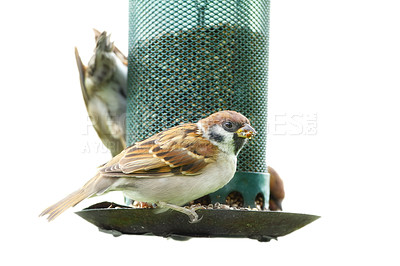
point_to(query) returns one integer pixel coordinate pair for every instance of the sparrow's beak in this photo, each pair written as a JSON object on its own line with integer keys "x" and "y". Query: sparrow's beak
{"x": 246, "y": 131}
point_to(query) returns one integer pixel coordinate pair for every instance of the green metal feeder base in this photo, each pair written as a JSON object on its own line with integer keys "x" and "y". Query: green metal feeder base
{"x": 261, "y": 225}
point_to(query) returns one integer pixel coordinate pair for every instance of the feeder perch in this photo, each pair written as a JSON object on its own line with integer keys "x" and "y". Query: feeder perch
{"x": 187, "y": 60}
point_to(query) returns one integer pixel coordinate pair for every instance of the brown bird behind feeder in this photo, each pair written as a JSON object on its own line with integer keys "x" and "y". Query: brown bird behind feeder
{"x": 277, "y": 191}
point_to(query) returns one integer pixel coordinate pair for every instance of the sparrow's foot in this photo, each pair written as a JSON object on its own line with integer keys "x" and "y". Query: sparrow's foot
{"x": 191, "y": 212}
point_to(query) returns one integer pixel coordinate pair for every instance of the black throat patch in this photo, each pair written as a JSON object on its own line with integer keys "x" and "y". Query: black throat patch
{"x": 239, "y": 143}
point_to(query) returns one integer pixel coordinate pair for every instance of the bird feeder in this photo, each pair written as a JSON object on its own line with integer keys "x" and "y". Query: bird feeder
{"x": 189, "y": 59}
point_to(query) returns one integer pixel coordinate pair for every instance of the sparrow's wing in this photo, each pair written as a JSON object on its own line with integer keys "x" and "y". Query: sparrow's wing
{"x": 82, "y": 70}
{"x": 178, "y": 151}
{"x": 120, "y": 55}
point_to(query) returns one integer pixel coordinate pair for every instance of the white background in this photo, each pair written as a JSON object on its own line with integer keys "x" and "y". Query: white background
{"x": 336, "y": 63}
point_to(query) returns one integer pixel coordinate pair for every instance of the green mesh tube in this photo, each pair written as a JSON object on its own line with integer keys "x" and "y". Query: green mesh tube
{"x": 189, "y": 59}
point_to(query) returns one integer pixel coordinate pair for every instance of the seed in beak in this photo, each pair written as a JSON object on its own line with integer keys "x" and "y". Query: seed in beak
{"x": 246, "y": 132}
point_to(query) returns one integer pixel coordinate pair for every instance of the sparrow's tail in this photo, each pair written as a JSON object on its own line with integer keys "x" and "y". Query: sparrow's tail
{"x": 96, "y": 185}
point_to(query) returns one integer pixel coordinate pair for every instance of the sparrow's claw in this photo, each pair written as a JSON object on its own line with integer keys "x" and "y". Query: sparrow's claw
{"x": 194, "y": 209}
{"x": 196, "y": 220}
{"x": 191, "y": 212}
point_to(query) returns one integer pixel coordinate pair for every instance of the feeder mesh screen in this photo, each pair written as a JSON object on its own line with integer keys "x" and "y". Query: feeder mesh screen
{"x": 189, "y": 59}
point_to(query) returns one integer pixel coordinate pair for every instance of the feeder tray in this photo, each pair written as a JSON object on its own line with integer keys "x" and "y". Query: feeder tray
{"x": 261, "y": 225}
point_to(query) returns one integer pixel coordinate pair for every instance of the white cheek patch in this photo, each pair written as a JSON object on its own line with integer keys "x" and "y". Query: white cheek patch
{"x": 221, "y": 138}
{"x": 218, "y": 130}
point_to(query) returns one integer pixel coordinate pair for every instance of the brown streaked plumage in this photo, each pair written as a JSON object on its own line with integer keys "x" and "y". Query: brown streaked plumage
{"x": 277, "y": 190}
{"x": 171, "y": 152}
{"x": 172, "y": 167}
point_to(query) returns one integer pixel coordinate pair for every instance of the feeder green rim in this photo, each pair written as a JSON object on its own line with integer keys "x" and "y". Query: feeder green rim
{"x": 248, "y": 184}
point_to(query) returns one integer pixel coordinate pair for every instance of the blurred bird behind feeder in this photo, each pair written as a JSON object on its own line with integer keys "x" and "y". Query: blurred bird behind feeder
{"x": 104, "y": 89}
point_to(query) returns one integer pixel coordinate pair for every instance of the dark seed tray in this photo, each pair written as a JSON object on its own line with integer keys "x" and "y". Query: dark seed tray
{"x": 261, "y": 225}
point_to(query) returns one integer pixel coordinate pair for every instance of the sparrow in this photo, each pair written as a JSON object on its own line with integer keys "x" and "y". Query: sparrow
{"x": 277, "y": 191}
{"x": 104, "y": 89}
{"x": 172, "y": 167}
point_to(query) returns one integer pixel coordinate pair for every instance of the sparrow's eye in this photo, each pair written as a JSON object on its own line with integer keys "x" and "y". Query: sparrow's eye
{"x": 228, "y": 125}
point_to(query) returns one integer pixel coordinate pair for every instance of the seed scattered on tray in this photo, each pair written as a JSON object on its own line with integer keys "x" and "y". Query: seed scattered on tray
{"x": 198, "y": 206}
{"x": 235, "y": 199}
